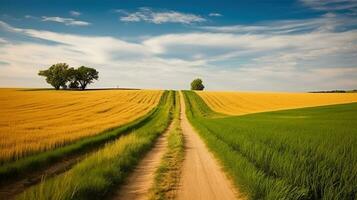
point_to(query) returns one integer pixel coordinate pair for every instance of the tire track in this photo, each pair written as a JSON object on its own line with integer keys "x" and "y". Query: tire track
{"x": 139, "y": 182}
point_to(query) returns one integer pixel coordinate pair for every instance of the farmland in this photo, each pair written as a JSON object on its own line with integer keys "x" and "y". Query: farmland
{"x": 240, "y": 103}
{"x": 106, "y": 169}
{"x": 307, "y": 153}
{"x": 267, "y": 149}
{"x": 178, "y": 100}
{"x": 57, "y": 118}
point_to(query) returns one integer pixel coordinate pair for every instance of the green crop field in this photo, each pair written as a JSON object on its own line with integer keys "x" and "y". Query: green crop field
{"x": 308, "y": 153}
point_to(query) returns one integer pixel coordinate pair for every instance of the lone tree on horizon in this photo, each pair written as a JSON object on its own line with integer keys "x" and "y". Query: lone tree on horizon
{"x": 58, "y": 75}
{"x": 197, "y": 84}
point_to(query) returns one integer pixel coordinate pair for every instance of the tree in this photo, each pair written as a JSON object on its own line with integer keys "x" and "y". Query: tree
{"x": 72, "y": 78}
{"x": 197, "y": 84}
{"x": 86, "y": 75}
{"x": 56, "y": 75}
{"x": 73, "y": 85}
{"x": 60, "y": 74}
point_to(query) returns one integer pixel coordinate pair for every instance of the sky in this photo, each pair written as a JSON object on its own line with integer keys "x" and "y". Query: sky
{"x": 265, "y": 45}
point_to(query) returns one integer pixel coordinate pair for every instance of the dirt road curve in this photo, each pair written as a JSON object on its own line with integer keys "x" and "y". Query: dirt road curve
{"x": 141, "y": 179}
{"x": 202, "y": 178}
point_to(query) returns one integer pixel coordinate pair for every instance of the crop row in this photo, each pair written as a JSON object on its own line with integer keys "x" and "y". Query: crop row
{"x": 241, "y": 103}
{"x": 58, "y": 118}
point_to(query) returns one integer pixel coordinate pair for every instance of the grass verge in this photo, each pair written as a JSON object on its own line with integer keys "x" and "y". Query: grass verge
{"x": 308, "y": 153}
{"x": 167, "y": 176}
{"x": 95, "y": 176}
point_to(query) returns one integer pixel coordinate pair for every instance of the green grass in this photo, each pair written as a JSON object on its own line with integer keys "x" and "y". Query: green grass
{"x": 41, "y": 160}
{"x": 308, "y": 153}
{"x": 167, "y": 176}
{"x": 106, "y": 169}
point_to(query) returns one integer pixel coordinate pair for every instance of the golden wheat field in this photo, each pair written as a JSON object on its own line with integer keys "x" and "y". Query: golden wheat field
{"x": 240, "y": 103}
{"x": 58, "y": 117}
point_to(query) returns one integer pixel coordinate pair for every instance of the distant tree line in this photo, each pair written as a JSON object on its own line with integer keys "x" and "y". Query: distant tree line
{"x": 335, "y": 91}
{"x": 60, "y": 75}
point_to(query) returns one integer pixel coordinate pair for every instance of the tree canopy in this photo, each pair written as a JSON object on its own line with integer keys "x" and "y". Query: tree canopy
{"x": 197, "y": 84}
{"x": 56, "y": 75}
{"x": 61, "y": 75}
{"x": 86, "y": 75}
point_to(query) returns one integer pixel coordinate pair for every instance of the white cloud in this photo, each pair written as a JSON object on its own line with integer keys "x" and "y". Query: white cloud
{"x": 215, "y": 15}
{"x": 331, "y": 5}
{"x": 272, "y": 50}
{"x": 119, "y": 62}
{"x": 2, "y": 40}
{"x": 272, "y": 55}
{"x": 131, "y": 18}
{"x": 7, "y": 27}
{"x": 327, "y": 22}
{"x": 317, "y": 59}
{"x": 74, "y": 13}
{"x": 30, "y": 17}
{"x": 66, "y": 21}
{"x": 148, "y": 15}
{"x": 161, "y": 44}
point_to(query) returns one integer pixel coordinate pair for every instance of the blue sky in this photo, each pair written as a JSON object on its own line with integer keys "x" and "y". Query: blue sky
{"x": 296, "y": 45}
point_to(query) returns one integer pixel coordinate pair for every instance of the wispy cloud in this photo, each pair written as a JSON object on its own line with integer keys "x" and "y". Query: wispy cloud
{"x": 329, "y": 21}
{"x": 215, "y": 15}
{"x": 292, "y": 48}
{"x": 2, "y": 40}
{"x": 30, "y": 17}
{"x": 135, "y": 62}
{"x": 331, "y": 5}
{"x": 74, "y": 13}
{"x": 66, "y": 21}
{"x": 263, "y": 58}
{"x": 159, "y": 17}
{"x": 283, "y": 51}
{"x": 6, "y": 27}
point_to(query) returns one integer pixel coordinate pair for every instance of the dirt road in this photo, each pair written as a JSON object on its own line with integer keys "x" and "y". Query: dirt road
{"x": 141, "y": 179}
{"x": 202, "y": 178}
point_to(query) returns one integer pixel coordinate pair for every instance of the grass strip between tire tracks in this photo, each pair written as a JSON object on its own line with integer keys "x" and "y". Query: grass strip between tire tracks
{"x": 167, "y": 176}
